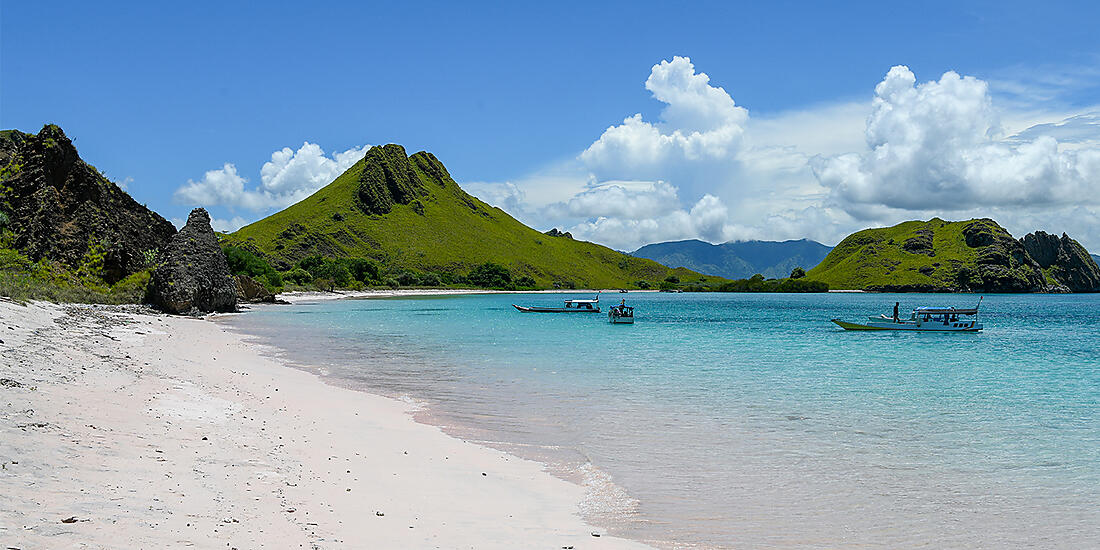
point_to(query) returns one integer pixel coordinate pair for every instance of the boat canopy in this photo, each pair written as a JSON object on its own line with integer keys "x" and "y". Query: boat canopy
{"x": 596, "y": 301}
{"x": 946, "y": 311}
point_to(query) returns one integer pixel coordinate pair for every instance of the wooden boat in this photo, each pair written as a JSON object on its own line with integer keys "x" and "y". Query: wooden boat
{"x": 621, "y": 314}
{"x": 571, "y": 306}
{"x": 924, "y": 319}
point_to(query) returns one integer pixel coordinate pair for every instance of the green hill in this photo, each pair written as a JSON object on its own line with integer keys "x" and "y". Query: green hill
{"x": 407, "y": 213}
{"x": 940, "y": 256}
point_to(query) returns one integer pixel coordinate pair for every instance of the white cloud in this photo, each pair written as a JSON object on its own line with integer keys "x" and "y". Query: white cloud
{"x": 938, "y": 146}
{"x": 287, "y": 178}
{"x": 700, "y": 127}
{"x": 228, "y": 226}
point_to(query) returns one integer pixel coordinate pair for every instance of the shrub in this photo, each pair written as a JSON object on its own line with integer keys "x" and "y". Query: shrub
{"x": 244, "y": 262}
{"x": 431, "y": 279}
{"x": 644, "y": 285}
{"x": 526, "y": 282}
{"x": 672, "y": 279}
{"x": 391, "y": 282}
{"x": 798, "y": 273}
{"x": 490, "y": 275}
{"x": 298, "y": 276}
{"x": 362, "y": 269}
{"x": 408, "y": 279}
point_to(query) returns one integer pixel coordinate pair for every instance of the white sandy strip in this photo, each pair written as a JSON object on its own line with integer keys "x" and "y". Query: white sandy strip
{"x": 163, "y": 432}
{"x": 313, "y": 296}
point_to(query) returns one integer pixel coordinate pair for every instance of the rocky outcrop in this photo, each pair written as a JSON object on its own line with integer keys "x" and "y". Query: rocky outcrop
{"x": 61, "y": 207}
{"x": 1003, "y": 265}
{"x": 1064, "y": 259}
{"x": 193, "y": 276}
{"x": 251, "y": 290}
{"x": 921, "y": 243}
{"x": 388, "y": 178}
{"x": 554, "y": 232}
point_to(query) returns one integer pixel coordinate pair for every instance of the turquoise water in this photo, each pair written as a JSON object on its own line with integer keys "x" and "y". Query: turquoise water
{"x": 749, "y": 420}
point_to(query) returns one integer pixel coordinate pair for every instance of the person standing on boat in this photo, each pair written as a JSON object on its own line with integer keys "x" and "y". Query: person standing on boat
{"x": 896, "y": 304}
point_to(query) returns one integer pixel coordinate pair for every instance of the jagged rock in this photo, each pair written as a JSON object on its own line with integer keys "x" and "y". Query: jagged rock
{"x": 1003, "y": 264}
{"x": 1065, "y": 260}
{"x": 554, "y": 232}
{"x": 193, "y": 275}
{"x": 388, "y": 178}
{"x": 59, "y": 206}
{"x": 251, "y": 290}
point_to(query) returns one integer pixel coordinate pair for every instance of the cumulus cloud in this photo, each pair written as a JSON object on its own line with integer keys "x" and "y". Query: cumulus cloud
{"x": 700, "y": 126}
{"x": 708, "y": 218}
{"x": 939, "y": 146}
{"x": 287, "y": 178}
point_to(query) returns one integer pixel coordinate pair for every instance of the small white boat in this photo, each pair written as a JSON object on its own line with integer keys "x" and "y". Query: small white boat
{"x": 925, "y": 319}
{"x": 571, "y": 306}
{"x": 621, "y": 313}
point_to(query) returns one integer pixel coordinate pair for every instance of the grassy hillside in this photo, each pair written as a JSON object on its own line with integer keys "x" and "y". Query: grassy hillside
{"x": 932, "y": 255}
{"x": 408, "y": 214}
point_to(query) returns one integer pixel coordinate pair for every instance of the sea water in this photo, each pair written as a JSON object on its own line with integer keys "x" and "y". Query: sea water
{"x": 749, "y": 420}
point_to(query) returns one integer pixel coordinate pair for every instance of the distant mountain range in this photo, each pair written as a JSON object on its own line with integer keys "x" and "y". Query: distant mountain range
{"x": 1095, "y": 258}
{"x": 737, "y": 259}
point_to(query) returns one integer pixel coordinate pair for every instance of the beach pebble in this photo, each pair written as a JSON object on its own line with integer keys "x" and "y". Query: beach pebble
{"x": 71, "y": 519}
{"x": 595, "y": 534}
{"x": 204, "y": 438}
{"x": 484, "y": 474}
{"x": 379, "y": 514}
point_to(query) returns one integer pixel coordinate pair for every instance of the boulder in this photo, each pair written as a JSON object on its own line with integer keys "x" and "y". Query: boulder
{"x": 193, "y": 276}
{"x": 251, "y": 290}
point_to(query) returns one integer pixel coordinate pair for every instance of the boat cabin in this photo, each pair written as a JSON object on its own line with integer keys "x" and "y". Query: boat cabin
{"x": 581, "y": 304}
{"x": 947, "y": 317}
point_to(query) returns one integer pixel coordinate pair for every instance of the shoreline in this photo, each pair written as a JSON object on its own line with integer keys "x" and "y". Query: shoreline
{"x": 156, "y": 431}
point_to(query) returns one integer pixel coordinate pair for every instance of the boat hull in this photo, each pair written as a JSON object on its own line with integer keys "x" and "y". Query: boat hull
{"x": 536, "y": 309}
{"x": 621, "y": 320}
{"x": 963, "y": 326}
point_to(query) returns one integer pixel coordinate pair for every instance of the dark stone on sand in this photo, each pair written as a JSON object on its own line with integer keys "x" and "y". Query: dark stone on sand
{"x": 194, "y": 275}
{"x": 251, "y": 290}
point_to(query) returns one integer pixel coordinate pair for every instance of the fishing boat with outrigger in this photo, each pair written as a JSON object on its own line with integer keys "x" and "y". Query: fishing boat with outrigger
{"x": 621, "y": 314}
{"x": 924, "y": 319}
{"x": 571, "y": 306}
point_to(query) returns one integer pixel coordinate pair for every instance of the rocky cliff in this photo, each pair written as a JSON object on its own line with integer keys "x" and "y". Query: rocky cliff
{"x": 1065, "y": 260}
{"x": 59, "y": 206}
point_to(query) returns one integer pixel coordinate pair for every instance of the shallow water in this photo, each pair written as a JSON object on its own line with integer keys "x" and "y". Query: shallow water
{"x": 749, "y": 420}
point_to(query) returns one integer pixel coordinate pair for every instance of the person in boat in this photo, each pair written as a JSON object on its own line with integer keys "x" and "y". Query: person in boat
{"x": 896, "y": 304}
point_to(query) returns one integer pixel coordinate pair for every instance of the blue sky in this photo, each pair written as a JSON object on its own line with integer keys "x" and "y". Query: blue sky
{"x": 520, "y": 100}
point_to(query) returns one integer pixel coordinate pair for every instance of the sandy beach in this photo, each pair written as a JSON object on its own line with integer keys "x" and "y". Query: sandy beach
{"x": 121, "y": 428}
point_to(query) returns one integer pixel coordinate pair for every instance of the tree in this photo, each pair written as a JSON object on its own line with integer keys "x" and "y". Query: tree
{"x": 672, "y": 279}
{"x": 490, "y": 275}
{"x": 798, "y": 273}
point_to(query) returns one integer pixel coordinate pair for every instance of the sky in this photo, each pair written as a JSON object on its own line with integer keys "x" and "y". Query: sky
{"x": 624, "y": 123}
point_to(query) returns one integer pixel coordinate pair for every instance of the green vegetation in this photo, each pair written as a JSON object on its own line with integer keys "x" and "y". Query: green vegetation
{"x": 24, "y": 280}
{"x": 757, "y": 283}
{"x": 929, "y": 254}
{"x": 243, "y": 262}
{"x": 408, "y": 215}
